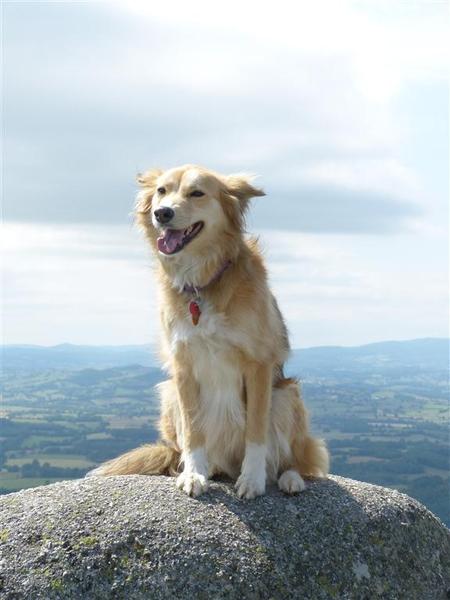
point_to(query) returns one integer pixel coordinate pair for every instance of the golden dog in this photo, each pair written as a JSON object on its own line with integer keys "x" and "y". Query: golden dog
{"x": 227, "y": 408}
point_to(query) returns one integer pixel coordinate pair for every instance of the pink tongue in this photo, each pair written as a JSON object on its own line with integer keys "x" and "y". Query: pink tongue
{"x": 170, "y": 241}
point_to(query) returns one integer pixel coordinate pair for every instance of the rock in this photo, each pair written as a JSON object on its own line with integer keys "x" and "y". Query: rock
{"x": 139, "y": 537}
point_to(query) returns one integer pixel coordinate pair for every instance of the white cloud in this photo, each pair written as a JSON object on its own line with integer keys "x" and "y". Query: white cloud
{"x": 77, "y": 284}
{"x": 96, "y": 286}
{"x": 299, "y": 86}
{"x": 334, "y": 288}
{"x": 385, "y": 175}
{"x": 388, "y": 42}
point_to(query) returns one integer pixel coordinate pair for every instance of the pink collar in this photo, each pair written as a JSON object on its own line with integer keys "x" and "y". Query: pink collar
{"x": 191, "y": 289}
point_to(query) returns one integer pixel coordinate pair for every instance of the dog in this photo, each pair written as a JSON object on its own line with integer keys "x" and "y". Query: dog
{"x": 227, "y": 408}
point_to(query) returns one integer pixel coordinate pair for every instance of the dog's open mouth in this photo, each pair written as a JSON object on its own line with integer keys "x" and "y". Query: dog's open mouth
{"x": 174, "y": 240}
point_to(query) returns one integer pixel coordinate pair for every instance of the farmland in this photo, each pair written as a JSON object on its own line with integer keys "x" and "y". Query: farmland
{"x": 383, "y": 414}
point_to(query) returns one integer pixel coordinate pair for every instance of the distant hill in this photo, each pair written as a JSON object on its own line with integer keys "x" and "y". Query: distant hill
{"x": 431, "y": 354}
{"x": 73, "y": 357}
{"x": 427, "y": 353}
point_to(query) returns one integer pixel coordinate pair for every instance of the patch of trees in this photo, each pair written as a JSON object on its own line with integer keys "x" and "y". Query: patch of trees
{"x": 36, "y": 469}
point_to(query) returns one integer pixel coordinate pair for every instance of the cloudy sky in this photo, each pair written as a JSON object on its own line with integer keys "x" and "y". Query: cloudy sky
{"x": 339, "y": 107}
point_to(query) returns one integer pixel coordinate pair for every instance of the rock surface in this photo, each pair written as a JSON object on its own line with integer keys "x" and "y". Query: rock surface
{"x": 139, "y": 537}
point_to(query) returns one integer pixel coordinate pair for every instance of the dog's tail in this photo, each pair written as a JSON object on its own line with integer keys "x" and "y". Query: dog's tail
{"x": 151, "y": 459}
{"x": 311, "y": 456}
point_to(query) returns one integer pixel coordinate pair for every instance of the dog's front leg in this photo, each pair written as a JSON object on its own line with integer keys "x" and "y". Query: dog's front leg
{"x": 258, "y": 385}
{"x": 194, "y": 478}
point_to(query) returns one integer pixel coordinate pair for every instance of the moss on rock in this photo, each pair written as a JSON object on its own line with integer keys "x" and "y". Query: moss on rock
{"x": 139, "y": 537}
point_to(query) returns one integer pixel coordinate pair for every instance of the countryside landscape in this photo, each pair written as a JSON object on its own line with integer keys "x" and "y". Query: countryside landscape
{"x": 383, "y": 409}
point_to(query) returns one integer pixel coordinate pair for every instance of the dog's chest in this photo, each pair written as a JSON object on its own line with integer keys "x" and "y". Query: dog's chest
{"x": 212, "y": 335}
{"x": 212, "y": 347}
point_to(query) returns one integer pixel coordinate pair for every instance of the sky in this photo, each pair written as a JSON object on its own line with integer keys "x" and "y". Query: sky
{"x": 339, "y": 108}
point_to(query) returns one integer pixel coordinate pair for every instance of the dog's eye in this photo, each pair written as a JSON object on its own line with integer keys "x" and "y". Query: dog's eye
{"x": 196, "y": 194}
{"x": 161, "y": 190}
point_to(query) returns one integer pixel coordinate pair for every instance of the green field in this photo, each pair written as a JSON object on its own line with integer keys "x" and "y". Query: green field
{"x": 56, "y": 460}
{"x": 13, "y": 484}
{"x": 383, "y": 424}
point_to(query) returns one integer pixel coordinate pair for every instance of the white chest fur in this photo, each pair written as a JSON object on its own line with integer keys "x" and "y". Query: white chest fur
{"x": 213, "y": 349}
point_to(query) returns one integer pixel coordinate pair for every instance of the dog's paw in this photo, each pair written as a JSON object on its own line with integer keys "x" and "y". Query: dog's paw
{"x": 193, "y": 484}
{"x": 249, "y": 486}
{"x": 97, "y": 472}
{"x": 291, "y": 482}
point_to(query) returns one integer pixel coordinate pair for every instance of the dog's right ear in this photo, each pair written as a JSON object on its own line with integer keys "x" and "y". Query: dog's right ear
{"x": 147, "y": 181}
{"x": 240, "y": 186}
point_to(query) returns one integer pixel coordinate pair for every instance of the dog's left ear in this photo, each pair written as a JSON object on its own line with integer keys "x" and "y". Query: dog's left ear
{"x": 147, "y": 181}
{"x": 240, "y": 186}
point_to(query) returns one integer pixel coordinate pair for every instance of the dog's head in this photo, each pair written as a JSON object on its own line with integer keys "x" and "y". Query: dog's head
{"x": 188, "y": 209}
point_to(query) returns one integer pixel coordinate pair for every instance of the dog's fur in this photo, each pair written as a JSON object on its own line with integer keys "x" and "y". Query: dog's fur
{"x": 227, "y": 408}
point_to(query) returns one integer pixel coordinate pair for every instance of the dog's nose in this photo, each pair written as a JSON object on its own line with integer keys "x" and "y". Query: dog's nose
{"x": 164, "y": 214}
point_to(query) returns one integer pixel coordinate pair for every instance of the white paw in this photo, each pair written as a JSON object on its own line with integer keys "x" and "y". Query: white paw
{"x": 193, "y": 484}
{"x": 98, "y": 472}
{"x": 291, "y": 482}
{"x": 249, "y": 486}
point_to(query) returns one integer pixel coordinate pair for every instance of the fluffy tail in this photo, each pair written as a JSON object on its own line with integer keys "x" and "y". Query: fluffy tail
{"x": 311, "y": 457}
{"x": 151, "y": 459}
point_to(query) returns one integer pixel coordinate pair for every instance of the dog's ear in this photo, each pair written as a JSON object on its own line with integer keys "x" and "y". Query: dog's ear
{"x": 147, "y": 181}
{"x": 240, "y": 186}
{"x": 236, "y": 193}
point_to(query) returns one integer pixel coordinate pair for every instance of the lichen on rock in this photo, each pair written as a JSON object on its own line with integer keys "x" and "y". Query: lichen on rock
{"x": 139, "y": 537}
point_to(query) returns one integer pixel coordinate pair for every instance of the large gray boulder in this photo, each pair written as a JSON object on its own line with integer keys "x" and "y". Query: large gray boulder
{"x": 139, "y": 537}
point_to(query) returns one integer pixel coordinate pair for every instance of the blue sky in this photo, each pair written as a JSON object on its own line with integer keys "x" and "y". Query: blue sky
{"x": 340, "y": 108}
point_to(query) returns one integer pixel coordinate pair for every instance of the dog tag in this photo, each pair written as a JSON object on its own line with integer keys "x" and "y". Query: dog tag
{"x": 194, "y": 309}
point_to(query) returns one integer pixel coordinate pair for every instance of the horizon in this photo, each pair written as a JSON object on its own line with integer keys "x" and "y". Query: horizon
{"x": 149, "y": 345}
